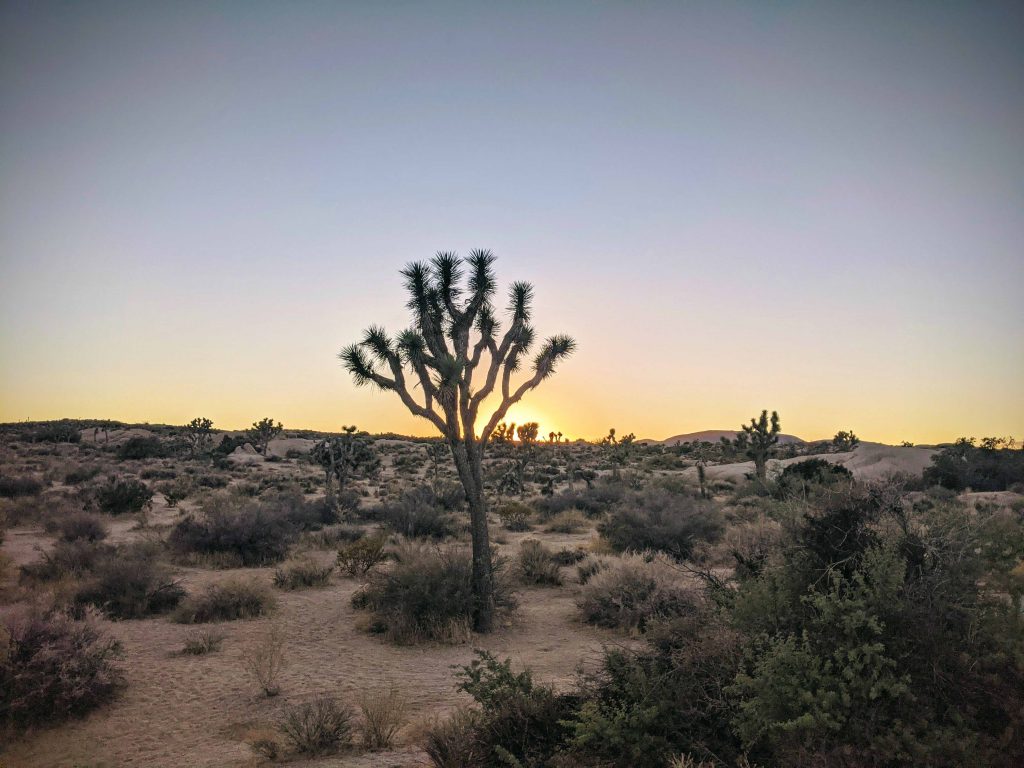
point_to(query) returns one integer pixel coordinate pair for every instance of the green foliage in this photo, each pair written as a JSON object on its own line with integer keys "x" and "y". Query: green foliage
{"x": 520, "y": 723}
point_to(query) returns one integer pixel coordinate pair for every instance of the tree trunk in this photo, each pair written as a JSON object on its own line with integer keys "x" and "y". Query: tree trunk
{"x": 468, "y": 462}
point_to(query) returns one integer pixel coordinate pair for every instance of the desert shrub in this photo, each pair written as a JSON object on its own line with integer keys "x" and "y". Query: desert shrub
{"x": 53, "y": 668}
{"x": 357, "y": 558}
{"x": 452, "y": 742}
{"x": 633, "y": 592}
{"x": 15, "y": 487}
{"x": 67, "y": 559}
{"x": 81, "y": 526}
{"x": 589, "y": 568}
{"x": 418, "y": 514}
{"x": 566, "y": 556}
{"x": 519, "y": 722}
{"x": 515, "y": 516}
{"x": 266, "y": 661}
{"x": 644, "y": 705}
{"x": 123, "y": 496}
{"x": 799, "y": 478}
{"x": 302, "y": 574}
{"x": 318, "y": 727}
{"x": 537, "y": 564}
{"x": 200, "y": 643}
{"x": 246, "y": 532}
{"x": 331, "y": 536}
{"x": 593, "y": 502}
{"x": 227, "y": 601}
{"x": 426, "y": 595}
{"x": 384, "y": 712}
{"x": 24, "y": 510}
{"x": 139, "y": 447}
{"x": 129, "y": 584}
{"x": 657, "y": 520}
{"x": 56, "y": 432}
{"x": 302, "y": 515}
{"x": 992, "y": 466}
{"x": 569, "y": 521}
{"x": 81, "y": 474}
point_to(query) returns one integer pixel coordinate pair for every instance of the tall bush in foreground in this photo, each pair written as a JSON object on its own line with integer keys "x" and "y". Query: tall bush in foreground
{"x": 53, "y": 668}
{"x": 454, "y": 331}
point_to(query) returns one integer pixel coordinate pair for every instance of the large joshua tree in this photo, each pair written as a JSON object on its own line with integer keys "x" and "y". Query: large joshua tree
{"x": 455, "y": 355}
{"x": 757, "y": 440}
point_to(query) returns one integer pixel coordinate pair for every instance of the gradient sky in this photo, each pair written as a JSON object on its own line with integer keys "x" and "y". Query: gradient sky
{"x": 813, "y": 207}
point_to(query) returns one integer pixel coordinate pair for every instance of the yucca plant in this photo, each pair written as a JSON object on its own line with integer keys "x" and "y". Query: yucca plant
{"x": 455, "y": 355}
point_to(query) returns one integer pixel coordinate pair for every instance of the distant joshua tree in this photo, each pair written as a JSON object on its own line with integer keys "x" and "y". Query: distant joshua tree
{"x": 262, "y": 432}
{"x": 343, "y": 457}
{"x": 442, "y": 359}
{"x": 198, "y": 435}
{"x": 757, "y": 439}
{"x": 845, "y": 441}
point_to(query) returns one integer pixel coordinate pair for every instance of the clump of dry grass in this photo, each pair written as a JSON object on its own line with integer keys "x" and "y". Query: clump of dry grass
{"x": 302, "y": 574}
{"x": 266, "y": 661}
{"x": 633, "y": 591}
{"x": 537, "y": 564}
{"x": 384, "y": 712}
{"x": 227, "y": 601}
{"x": 200, "y": 643}
{"x": 452, "y": 743}
{"x": 569, "y": 521}
{"x": 358, "y": 557}
{"x": 318, "y": 727}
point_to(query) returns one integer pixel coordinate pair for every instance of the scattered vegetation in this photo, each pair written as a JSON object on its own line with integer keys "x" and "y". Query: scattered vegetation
{"x": 318, "y": 727}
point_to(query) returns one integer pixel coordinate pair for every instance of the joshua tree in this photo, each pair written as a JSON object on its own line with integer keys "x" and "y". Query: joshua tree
{"x": 343, "y": 456}
{"x": 756, "y": 441}
{"x": 197, "y": 435}
{"x": 845, "y": 441}
{"x": 453, "y": 326}
{"x": 262, "y": 432}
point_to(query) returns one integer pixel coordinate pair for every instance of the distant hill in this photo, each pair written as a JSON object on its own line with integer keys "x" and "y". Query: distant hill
{"x": 714, "y": 435}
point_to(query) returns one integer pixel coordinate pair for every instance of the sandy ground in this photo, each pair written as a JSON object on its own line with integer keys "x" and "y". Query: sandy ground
{"x": 868, "y": 461}
{"x": 200, "y": 711}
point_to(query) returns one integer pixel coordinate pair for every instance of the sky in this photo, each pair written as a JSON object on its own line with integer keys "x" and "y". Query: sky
{"x": 816, "y": 208}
